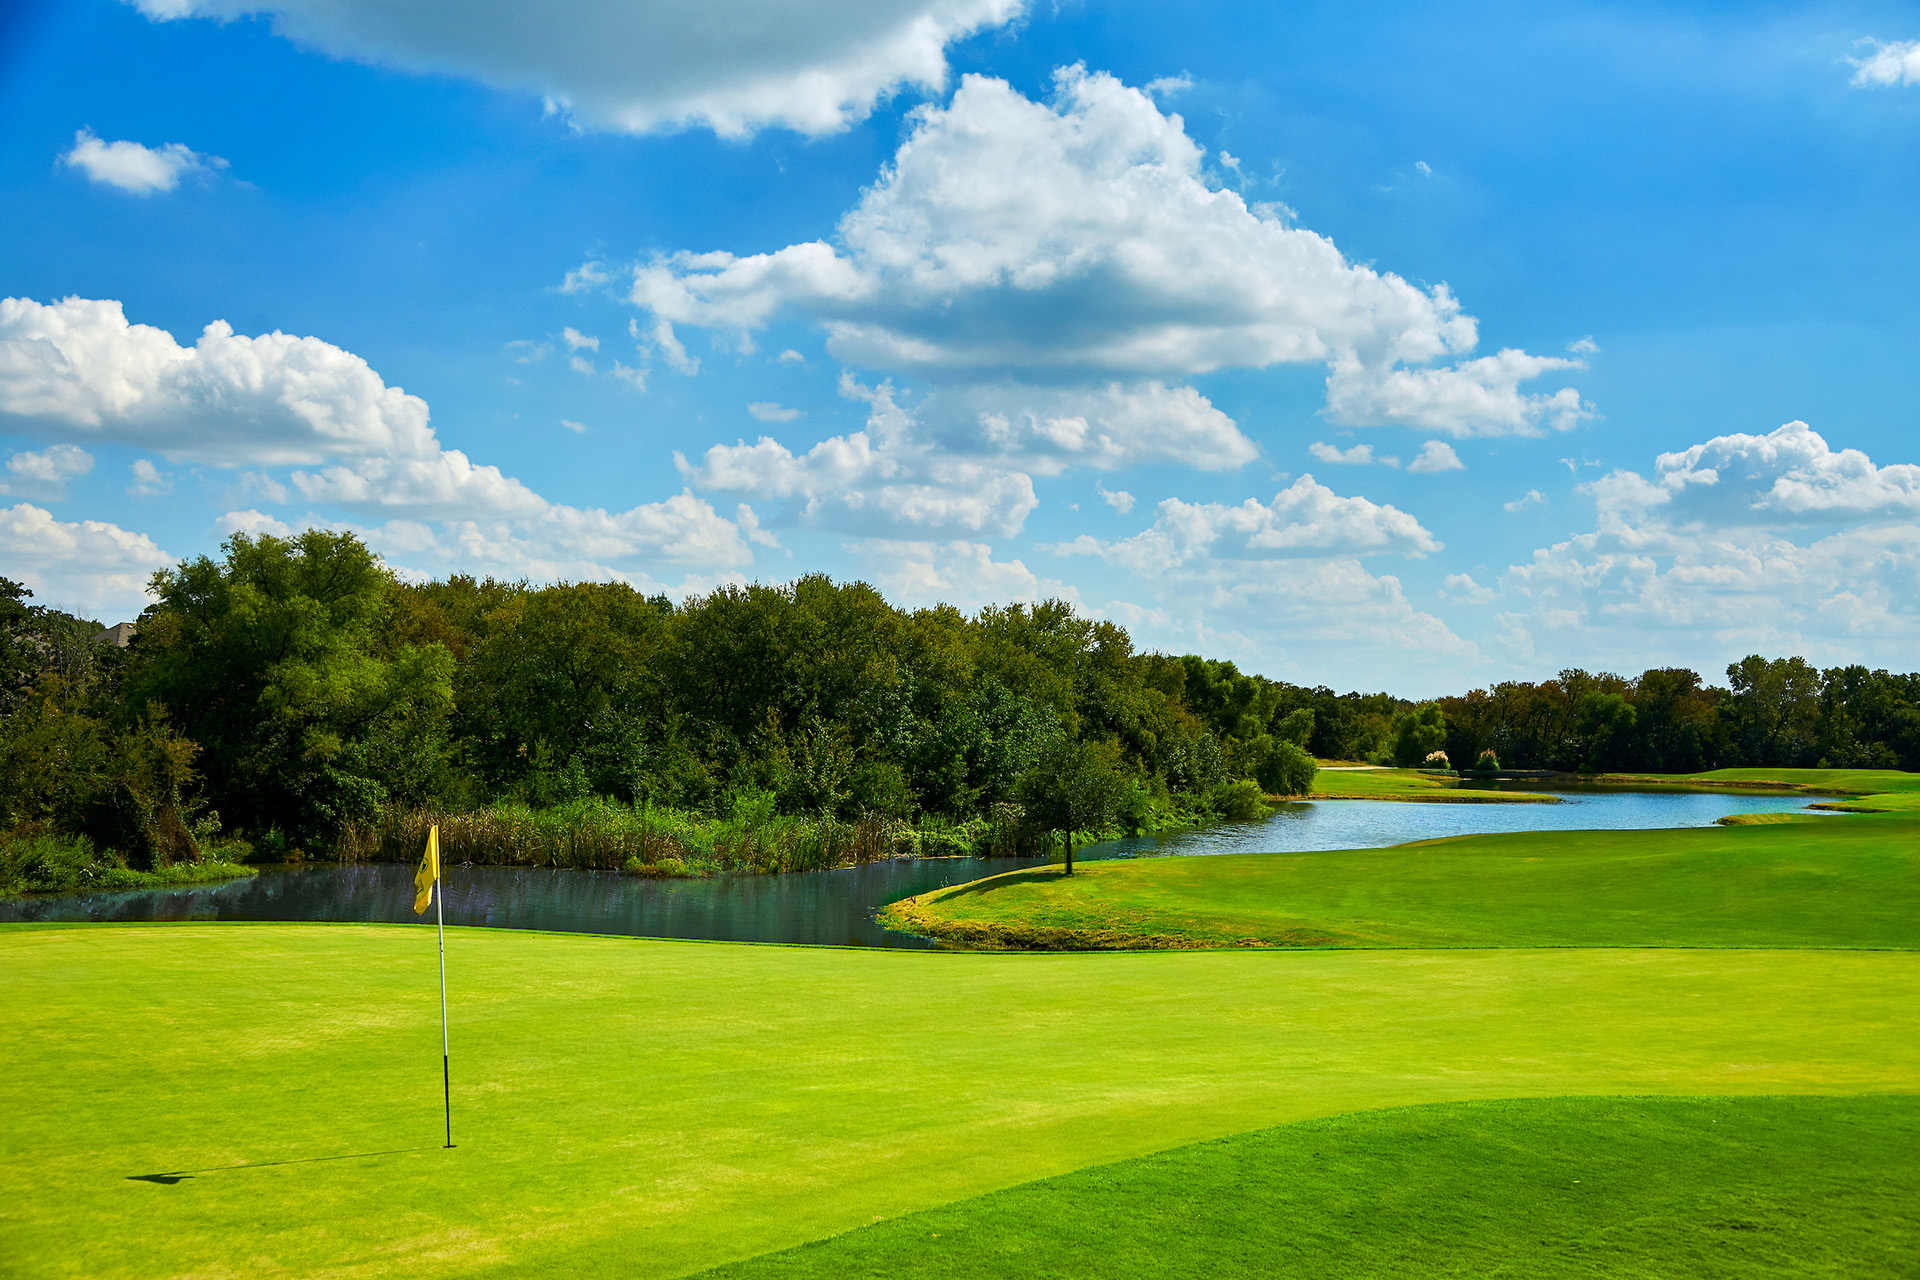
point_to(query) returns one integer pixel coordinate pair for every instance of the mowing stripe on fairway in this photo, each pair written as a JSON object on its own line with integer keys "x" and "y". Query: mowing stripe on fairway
{"x": 1707, "y": 1188}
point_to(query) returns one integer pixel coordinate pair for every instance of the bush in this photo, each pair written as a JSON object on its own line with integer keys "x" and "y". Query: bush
{"x": 1287, "y": 770}
{"x": 1240, "y": 800}
{"x": 1487, "y": 764}
{"x": 1436, "y": 760}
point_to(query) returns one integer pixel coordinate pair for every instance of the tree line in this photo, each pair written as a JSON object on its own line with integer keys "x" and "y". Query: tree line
{"x": 292, "y": 696}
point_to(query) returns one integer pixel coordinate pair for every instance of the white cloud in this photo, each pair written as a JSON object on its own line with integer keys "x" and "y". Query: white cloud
{"x": 86, "y": 566}
{"x": 1120, "y": 500}
{"x": 1168, "y": 86}
{"x": 578, "y": 428}
{"x": 957, "y": 264}
{"x": 767, "y": 411}
{"x": 1436, "y": 455}
{"x": 1423, "y": 168}
{"x": 1462, "y": 589}
{"x": 134, "y": 168}
{"x": 77, "y": 368}
{"x": 960, "y": 573}
{"x": 1771, "y": 544}
{"x": 884, "y": 478}
{"x": 147, "y": 480}
{"x": 1531, "y": 498}
{"x": 1305, "y": 520}
{"x": 1896, "y": 63}
{"x": 254, "y": 524}
{"x": 734, "y": 66}
{"x": 578, "y": 341}
{"x": 790, "y": 356}
{"x": 1473, "y": 397}
{"x": 1360, "y": 455}
{"x": 44, "y": 475}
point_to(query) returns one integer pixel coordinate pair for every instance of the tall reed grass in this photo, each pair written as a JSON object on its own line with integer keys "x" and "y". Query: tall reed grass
{"x": 607, "y": 835}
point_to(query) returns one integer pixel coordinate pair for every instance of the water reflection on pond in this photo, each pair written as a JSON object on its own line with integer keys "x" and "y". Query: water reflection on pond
{"x": 831, "y": 907}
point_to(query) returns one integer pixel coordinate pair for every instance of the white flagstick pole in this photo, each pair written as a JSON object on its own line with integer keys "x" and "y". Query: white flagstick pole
{"x": 446, "y": 1069}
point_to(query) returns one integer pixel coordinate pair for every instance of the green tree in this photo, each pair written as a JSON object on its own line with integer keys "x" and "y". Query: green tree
{"x": 1418, "y": 733}
{"x": 272, "y": 660}
{"x": 1072, "y": 786}
{"x": 1605, "y": 726}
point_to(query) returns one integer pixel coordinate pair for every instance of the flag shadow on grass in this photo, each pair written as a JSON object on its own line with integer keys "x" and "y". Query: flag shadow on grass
{"x": 181, "y": 1175}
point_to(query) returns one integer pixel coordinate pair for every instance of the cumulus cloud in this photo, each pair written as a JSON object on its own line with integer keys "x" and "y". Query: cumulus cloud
{"x": 1436, "y": 455}
{"x": 78, "y": 368}
{"x": 147, "y": 479}
{"x": 45, "y": 475}
{"x": 767, "y": 411}
{"x": 1120, "y": 500}
{"x": 960, "y": 264}
{"x": 960, "y": 573}
{"x": 88, "y": 566}
{"x": 134, "y": 168}
{"x": 1304, "y": 520}
{"x": 734, "y": 66}
{"x": 1896, "y": 63}
{"x": 886, "y": 477}
{"x": 1360, "y": 455}
{"x": 1771, "y": 543}
{"x": 1462, "y": 589}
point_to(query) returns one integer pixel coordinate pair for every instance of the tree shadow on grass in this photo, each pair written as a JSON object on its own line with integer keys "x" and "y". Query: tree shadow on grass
{"x": 181, "y": 1175}
{"x": 1004, "y": 881}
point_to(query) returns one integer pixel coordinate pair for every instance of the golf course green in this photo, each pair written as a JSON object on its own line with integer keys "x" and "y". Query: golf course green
{"x": 194, "y": 1100}
{"x": 1706, "y": 1188}
{"x": 1662, "y": 1053}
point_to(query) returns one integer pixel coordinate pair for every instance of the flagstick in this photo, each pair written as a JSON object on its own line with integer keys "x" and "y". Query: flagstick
{"x": 446, "y": 1069}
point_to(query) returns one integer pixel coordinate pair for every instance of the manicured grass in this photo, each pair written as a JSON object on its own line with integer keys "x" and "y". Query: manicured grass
{"x": 638, "y": 1108}
{"x": 1855, "y": 781}
{"x": 1829, "y": 882}
{"x": 1410, "y": 784}
{"x": 1565, "y": 1187}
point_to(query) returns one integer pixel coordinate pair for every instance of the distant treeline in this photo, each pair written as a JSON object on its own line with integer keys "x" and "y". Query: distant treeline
{"x": 294, "y": 696}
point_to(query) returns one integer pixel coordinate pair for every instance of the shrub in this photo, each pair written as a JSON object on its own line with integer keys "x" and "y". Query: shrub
{"x": 1241, "y": 800}
{"x": 1286, "y": 770}
{"x": 1436, "y": 760}
{"x": 1487, "y": 764}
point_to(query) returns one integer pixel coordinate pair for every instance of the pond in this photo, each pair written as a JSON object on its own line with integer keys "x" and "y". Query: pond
{"x": 834, "y": 907}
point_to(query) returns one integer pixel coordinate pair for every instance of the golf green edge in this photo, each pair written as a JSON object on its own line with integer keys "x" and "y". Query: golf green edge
{"x": 1707, "y": 1188}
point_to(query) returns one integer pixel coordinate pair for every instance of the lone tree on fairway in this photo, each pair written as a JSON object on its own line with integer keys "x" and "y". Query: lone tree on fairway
{"x": 1071, "y": 786}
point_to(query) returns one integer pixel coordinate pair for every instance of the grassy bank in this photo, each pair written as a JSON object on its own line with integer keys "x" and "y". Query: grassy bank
{"x": 1826, "y": 882}
{"x": 48, "y": 863}
{"x": 1708, "y": 1188}
{"x": 1410, "y": 784}
{"x": 200, "y": 1099}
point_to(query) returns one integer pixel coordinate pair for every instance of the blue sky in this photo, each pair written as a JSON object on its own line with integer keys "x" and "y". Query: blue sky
{"x": 1383, "y": 348}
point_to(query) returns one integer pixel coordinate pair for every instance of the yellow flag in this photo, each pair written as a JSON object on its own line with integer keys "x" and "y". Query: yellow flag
{"x": 429, "y": 871}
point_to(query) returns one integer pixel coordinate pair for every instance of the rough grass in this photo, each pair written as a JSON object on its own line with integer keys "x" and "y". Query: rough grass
{"x": 214, "y": 1100}
{"x": 1826, "y": 882}
{"x": 1706, "y": 1188}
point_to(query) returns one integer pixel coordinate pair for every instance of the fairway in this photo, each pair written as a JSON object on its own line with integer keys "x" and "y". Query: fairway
{"x": 212, "y": 1100}
{"x": 1851, "y": 881}
{"x": 1707, "y": 1188}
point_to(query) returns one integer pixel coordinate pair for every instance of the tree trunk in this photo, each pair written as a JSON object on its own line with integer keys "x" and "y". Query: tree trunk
{"x": 1069, "y": 839}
